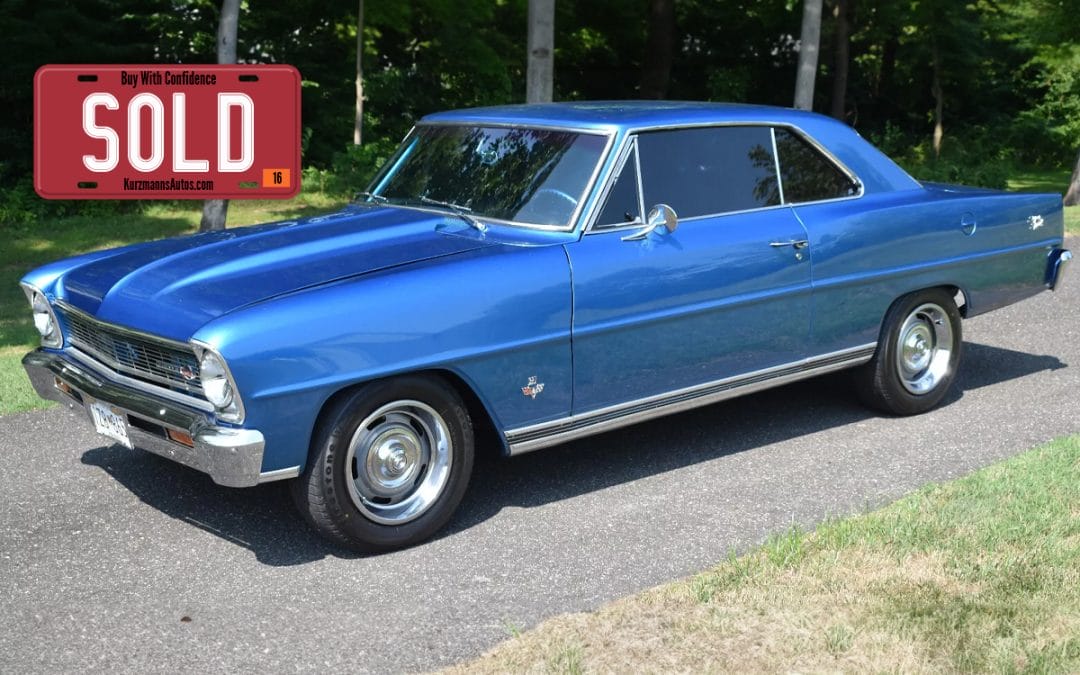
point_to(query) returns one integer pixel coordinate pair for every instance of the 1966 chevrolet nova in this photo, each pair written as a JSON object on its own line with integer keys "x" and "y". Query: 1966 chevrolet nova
{"x": 526, "y": 275}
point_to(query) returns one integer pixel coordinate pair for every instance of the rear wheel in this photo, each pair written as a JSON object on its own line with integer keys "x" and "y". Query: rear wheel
{"x": 917, "y": 355}
{"x": 389, "y": 465}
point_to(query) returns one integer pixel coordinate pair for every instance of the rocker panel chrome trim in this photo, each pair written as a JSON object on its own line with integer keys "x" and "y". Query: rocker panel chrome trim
{"x": 545, "y": 434}
{"x": 279, "y": 474}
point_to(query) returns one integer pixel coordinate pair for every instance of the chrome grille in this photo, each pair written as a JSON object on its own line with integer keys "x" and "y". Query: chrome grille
{"x": 133, "y": 355}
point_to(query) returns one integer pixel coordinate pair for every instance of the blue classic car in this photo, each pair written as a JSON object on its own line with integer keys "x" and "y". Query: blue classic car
{"x": 526, "y": 275}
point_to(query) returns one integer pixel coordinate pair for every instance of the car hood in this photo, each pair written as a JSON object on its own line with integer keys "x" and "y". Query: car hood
{"x": 173, "y": 287}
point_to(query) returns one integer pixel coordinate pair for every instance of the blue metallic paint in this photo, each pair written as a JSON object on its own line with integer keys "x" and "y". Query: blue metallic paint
{"x": 304, "y": 309}
{"x": 493, "y": 316}
{"x": 705, "y": 302}
{"x": 192, "y": 280}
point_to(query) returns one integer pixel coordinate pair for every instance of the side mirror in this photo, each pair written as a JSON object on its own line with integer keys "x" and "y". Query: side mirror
{"x": 661, "y": 214}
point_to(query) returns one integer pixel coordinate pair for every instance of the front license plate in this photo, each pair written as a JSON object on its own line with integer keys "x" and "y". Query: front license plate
{"x": 167, "y": 131}
{"x": 109, "y": 423}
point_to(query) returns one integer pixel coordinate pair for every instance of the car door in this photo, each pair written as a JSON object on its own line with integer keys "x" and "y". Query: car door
{"x": 851, "y": 237}
{"x": 726, "y": 293}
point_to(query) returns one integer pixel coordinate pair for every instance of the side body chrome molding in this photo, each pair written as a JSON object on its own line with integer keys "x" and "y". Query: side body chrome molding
{"x": 545, "y": 434}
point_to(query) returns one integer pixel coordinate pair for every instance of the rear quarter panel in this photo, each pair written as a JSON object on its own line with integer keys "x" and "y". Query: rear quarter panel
{"x": 867, "y": 252}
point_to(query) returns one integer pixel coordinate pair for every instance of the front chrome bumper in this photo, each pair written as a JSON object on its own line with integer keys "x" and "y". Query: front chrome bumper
{"x": 1055, "y": 270}
{"x": 232, "y": 457}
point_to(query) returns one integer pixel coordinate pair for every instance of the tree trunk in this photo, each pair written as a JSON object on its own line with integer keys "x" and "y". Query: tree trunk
{"x": 939, "y": 103}
{"x": 659, "y": 50}
{"x": 888, "y": 67}
{"x": 842, "y": 56}
{"x": 541, "y": 44}
{"x": 216, "y": 210}
{"x": 809, "y": 40}
{"x": 1072, "y": 195}
{"x": 359, "y": 121}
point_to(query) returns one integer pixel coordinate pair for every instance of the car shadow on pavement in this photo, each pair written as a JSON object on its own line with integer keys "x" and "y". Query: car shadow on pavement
{"x": 263, "y": 520}
{"x": 983, "y": 365}
{"x": 701, "y": 435}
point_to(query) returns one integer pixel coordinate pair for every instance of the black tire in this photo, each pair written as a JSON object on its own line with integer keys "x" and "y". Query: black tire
{"x": 897, "y": 385}
{"x": 348, "y": 506}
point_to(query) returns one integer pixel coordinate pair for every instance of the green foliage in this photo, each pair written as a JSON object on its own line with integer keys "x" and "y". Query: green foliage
{"x": 353, "y": 168}
{"x": 37, "y": 32}
{"x": 1048, "y": 33}
{"x": 19, "y": 204}
{"x": 1009, "y": 69}
{"x": 978, "y": 158}
{"x": 963, "y": 171}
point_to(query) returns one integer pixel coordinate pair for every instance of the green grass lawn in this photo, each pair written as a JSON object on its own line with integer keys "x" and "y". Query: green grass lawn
{"x": 27, "y": 246}
{"x": 1034, "y": 180}
{"x": 981, "y": 574}
{"x": 1040, "y": 180}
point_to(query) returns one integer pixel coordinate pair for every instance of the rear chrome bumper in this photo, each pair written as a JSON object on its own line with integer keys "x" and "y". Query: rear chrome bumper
{"x": 232, "y": 457}
{"x": 1055, "y": 270}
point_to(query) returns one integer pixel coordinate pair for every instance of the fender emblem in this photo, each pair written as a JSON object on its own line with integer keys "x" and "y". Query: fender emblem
{"x": 1035, "y": 222}
{"x": 532, "y": 388}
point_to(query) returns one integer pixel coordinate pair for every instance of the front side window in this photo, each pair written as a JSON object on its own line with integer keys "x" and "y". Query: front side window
{"x": 521, "y": 175}
{"x": 806, "y": 174}
{"x": 709, "y": 170}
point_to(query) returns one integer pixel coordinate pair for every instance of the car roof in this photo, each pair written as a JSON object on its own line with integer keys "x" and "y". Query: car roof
{"x": 876, "y": 171}
{"x": 616, "y": 115}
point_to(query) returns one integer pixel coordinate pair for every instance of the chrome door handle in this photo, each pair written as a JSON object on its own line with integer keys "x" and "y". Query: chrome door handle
{"x": 794, "y": 243}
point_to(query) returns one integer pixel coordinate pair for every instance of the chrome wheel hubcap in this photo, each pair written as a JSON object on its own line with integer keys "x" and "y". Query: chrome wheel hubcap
{"x": 398, "y": 462}
{"x": 924, "y": 348}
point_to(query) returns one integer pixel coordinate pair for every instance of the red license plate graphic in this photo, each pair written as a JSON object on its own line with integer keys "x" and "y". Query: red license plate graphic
{"x": 167, "y": 132}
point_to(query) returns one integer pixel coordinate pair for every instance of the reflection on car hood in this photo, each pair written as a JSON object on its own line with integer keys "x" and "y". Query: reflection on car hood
{"x": 174, "y": 286}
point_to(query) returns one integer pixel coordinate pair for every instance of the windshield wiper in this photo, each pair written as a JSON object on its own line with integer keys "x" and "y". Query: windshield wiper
{"x": 463, "y": 212}
{"x": 370, "y": 197}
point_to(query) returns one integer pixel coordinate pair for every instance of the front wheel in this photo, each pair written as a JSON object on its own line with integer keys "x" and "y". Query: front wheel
{"x": 917, "y": 355}
{"x": 389, "y": 464}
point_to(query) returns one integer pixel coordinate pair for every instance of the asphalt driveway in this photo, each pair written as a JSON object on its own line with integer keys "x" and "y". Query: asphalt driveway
{"x": 112, "y": 559}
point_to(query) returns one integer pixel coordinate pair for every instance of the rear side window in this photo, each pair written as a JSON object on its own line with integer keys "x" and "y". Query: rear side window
{"x": 806, "y": 174}
{"x": 709, "y": 170}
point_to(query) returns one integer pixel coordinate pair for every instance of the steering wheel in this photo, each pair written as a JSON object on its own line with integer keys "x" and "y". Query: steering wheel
{"x": 557, "y": 193}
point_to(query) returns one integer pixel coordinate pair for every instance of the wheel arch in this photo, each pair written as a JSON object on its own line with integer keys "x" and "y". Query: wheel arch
{"x": 485, "y": 430}
{"x": 880, "y": 383}
{"x": 956, "y": 292}
{"x": 960, "y": 297}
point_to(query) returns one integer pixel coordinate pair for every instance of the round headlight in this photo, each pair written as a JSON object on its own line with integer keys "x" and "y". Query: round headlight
{"x": 215, "y": 380}
{"x": 44, "y": 321}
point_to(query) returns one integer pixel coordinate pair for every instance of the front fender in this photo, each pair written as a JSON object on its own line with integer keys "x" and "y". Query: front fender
{"x": 496, "y": 317}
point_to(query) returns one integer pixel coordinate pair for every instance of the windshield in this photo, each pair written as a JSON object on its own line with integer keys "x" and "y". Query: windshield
{"x": 529, "y": 176}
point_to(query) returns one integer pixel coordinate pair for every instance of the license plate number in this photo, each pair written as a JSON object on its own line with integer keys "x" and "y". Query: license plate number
{"x": 109, "y": 423}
